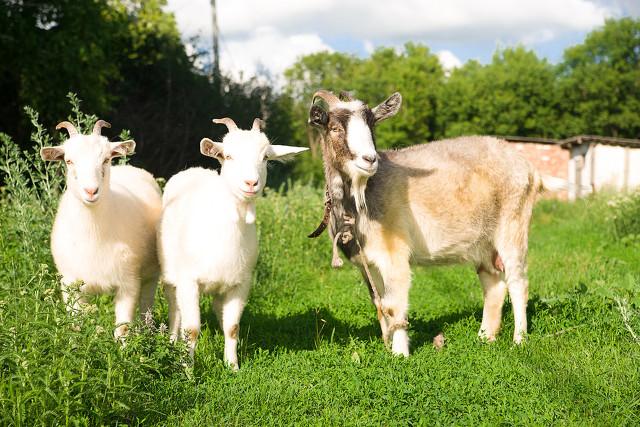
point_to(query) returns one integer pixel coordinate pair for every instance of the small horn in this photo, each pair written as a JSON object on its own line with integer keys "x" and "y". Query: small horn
{"x": 97, "y": 128}
{"x": 231, "y": 125}
{"x": 68, "y": 126}
{"x": 345, "y": 96}
{"x": 258, "y": 124}
{"x": 327, "y": 96}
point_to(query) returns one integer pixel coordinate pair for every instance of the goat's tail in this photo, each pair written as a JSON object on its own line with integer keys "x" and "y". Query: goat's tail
{"x": 550, "y": 183}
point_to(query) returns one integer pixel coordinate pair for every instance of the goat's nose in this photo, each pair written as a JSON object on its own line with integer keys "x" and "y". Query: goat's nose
{"x": 369, "y": 158}
{"x": 91, "y": 191}
{"x": 251, "y": 183}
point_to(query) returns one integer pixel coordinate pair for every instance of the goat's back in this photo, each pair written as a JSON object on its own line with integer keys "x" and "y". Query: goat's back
{"x": 452, "y": 198}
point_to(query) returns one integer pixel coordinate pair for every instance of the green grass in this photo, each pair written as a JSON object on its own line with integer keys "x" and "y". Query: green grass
{"x": 310, "y": 351}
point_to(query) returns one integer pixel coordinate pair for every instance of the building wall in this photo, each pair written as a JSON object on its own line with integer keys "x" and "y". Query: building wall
{"x": 613, "y": 167}
{"x": 548, "y": 159}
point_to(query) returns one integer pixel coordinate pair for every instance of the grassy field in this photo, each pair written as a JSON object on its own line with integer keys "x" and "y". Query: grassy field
{"x": 310, "y": 350}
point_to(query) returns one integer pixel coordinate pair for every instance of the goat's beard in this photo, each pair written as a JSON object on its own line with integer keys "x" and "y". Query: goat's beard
{"x": 358, "y": 188}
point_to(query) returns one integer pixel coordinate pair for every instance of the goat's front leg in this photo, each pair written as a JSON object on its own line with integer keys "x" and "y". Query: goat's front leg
{"x": 376, "y": 280}
{"x": 396, "y": 275}
{"x": 125, "y": 308}
{"x": 174, "y": 312}
{"x": 188, "y": 298}
{"x": 228, "y": 308}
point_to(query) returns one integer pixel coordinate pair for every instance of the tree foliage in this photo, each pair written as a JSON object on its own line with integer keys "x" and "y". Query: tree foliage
{"x": 600, "y": 82}
{"x": 126, "y": 61}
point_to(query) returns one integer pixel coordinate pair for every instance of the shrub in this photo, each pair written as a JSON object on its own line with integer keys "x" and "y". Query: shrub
{"x": 624, "y": 216}
{"x": 56, "y": 368}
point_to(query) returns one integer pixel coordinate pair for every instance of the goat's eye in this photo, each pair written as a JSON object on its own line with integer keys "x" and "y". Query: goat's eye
{"x": 227, "y": 157}
{"x": 335, "y": 129}
{"x": 69, "y": 162}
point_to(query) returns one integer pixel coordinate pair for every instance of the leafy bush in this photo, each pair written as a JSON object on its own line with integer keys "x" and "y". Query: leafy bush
{"x": 56, "y": 368}
{"x": 624, "y": 216}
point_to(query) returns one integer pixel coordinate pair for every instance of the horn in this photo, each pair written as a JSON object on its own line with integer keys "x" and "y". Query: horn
{"x": 69, "y": 127}
{"x": 231, "y": 125}
{"x": 258, "y": 124}
{"x": 345, "y": 96}
{"x": 97, "y": 128}
{"x": 327, "y": 96}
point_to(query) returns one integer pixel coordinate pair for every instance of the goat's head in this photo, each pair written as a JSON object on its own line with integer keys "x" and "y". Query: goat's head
{"x": 88, "y": 160}
{"x": 347, "y": 126}
{"x": 244, "y": 155}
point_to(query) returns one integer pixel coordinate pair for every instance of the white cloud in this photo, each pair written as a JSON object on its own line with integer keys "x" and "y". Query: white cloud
{"x": 266, "y": 48}
{"x": 368, "y": 46}
{"x": 273, "y": 33}
{"x": 406, "y": 19}
{"x": 448, "y": 60}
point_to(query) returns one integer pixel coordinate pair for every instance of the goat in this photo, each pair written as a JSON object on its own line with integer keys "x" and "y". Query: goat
{"x": 207, "y": 238}
{"x": 464, "y": 200}
{"x": 105, "y": 227}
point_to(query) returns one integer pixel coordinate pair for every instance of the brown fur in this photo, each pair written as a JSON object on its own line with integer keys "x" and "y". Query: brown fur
{"x": 233, "y": 333}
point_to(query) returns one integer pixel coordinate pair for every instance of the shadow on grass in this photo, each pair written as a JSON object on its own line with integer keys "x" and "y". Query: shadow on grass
{"x": 305, "y": 330}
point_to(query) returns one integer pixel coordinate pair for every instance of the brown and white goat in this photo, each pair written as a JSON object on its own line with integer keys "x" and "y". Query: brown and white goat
{"x": 464, "y": 200}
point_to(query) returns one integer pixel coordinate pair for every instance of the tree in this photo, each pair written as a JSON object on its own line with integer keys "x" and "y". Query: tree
{"x": 513, "y": 95}
{"x": 600, "y": 82}
{"x": 125, "y": 60}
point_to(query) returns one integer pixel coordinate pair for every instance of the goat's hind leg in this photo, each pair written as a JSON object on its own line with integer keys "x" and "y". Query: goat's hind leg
{"x": 514, "y": 257}
{"x": 518, "y": 285}
{"x": 494, "y": 290}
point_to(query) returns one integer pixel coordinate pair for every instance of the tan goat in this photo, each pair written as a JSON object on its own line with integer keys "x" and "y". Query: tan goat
{"x": 464, "y": 200}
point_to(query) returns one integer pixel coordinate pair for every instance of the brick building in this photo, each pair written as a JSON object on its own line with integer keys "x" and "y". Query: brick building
{"x": 588, "y": 163}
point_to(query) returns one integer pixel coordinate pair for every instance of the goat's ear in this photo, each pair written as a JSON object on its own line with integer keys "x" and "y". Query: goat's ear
{"x": 122, "y": 148}
{"x": 52, "y": 153}
{"x": 212, "y": 149}
{"x": 318, "y": 116}
{"x": 388, "y": 108}
{"x": 283, "y": 153}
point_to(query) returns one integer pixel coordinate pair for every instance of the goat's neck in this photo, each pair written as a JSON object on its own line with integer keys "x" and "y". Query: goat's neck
{"x": 95, "y": 219}
{"x": 245, "y": 209}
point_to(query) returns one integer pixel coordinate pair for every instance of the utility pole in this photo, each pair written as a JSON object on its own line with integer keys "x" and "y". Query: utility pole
{"x": 215, "y": 65}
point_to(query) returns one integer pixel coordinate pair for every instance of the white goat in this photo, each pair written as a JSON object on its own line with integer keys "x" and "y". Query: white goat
{"x": 465, "y": 200}
{"x": 104, "y": 234}
{"x": 207, "y": 239}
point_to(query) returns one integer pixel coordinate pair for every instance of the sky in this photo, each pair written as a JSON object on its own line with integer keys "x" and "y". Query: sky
{"x": 267, "y": 36}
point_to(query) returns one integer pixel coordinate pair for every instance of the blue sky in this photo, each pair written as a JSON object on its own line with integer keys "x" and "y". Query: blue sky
{"x": 271, "y": 35}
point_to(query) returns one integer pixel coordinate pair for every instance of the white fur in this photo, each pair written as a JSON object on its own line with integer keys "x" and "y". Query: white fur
{"x": 107, "y": 240}
{"x": 361, "y": 145}
{"x": 208, "y": 241}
